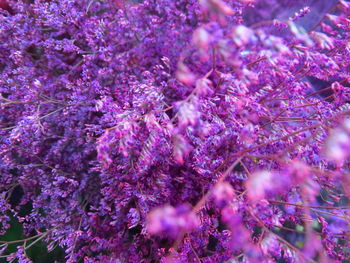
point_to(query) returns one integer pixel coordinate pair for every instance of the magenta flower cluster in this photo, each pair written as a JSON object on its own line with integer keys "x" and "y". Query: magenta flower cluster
{"x": 176, "y": 130}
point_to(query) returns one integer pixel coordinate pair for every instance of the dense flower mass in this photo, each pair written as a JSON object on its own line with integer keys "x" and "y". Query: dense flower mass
{"x": 176, "y": 131}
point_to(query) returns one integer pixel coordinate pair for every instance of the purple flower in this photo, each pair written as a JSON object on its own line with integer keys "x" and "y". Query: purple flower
{"x": 110, "y": 111}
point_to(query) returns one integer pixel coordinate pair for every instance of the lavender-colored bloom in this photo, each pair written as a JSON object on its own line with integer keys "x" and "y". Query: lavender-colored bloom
{"x": 114, "y": 114}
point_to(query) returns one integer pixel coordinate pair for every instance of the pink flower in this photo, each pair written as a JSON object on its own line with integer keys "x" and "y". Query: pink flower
{"x": 201, "y": 38}
{"x": 223, "y": 193}
{"x": 216, "y": 6}
{"x": 181, "y": 148}
{"x": 258, "y": 184}
{"x": 184, "y": 74}
{"x": 217, "y": 9}
{"x": 322, "y": 40}
{"x": 242, "y": 35}
{"x": 203, "y": 87}
{"x": 170, "y": 221}
{"x": 337, "y": 146}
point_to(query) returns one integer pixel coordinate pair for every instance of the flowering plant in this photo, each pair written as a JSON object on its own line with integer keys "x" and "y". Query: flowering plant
{"x": 176, "y": 131}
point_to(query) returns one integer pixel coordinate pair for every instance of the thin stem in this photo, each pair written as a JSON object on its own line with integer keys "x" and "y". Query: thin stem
{"x": 331, "y": 9}
{"x": 290, "y": 229}
{"x": 280, "y": 238}
{"x": 36, "y": 241}
{"x": 279, "y": 139}
{"x": 76, "y": 238}
{"x": 201, "y": 202}
{"x": 193, "y": 250}
{"x": 251, "y": 64}
{"x": 27, "y": 239}
{"x": 310, "y": 206}
{"x": 346, "y": 218}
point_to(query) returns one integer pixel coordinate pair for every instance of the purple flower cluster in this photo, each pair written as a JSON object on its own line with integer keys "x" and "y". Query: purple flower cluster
{"x": 176, "y": 131}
